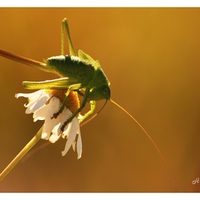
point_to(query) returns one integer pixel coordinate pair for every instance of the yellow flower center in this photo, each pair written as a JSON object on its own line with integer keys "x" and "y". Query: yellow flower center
{"x": 73, "y": 102}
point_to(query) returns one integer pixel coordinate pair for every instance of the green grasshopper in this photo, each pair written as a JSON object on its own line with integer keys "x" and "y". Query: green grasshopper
{"x": 78, "y": 73}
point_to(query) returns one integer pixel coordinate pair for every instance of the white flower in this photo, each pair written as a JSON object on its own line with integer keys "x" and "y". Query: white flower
{"x": 44, "y": 104}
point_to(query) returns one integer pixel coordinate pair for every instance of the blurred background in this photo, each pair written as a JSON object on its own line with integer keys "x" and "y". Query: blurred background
{"x": 151, "y": 57}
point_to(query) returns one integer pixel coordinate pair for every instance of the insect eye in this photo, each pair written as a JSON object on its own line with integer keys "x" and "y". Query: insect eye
{"x": 105, "y": 90}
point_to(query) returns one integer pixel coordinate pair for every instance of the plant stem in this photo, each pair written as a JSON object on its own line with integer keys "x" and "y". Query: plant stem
{"x": 21, "y": 154}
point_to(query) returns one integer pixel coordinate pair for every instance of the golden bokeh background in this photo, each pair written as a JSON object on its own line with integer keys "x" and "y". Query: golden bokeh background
{"x": 152, "y": 59}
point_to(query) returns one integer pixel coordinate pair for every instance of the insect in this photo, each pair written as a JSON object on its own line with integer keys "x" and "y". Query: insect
{"x": 80, "y": 73}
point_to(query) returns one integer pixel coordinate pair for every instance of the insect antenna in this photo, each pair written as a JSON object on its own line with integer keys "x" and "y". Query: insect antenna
{"x": 154, "y": 144}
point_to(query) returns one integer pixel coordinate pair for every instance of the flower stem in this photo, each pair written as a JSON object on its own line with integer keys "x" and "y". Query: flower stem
{"x": 21, "y": 154}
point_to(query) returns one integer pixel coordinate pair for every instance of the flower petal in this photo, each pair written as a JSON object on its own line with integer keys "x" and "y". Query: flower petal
{"x": 55, "y": 134}
{"x": 49, "y": 123}
{"x": 40, "y": 114}
{"x": 37, "y": 103}
{"x": 29, "y": 95}
{"x": 71, "y": 132}
{"x": 36, "y": 100}
{"x": 79, "y": 145}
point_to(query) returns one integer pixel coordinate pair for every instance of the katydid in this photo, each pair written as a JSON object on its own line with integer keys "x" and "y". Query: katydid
{"x": 79, "y": 73}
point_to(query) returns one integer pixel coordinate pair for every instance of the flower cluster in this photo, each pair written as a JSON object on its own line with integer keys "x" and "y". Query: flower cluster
{"x": 44, "y": 104}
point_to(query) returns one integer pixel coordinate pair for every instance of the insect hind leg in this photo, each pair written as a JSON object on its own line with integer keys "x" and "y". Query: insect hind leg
{"x": 70, "y": 44}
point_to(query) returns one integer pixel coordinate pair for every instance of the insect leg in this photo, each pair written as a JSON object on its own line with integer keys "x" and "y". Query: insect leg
{"x": 71, "y": 47}
{"x": 80, "y": 108}
{"x": 70, "y": 88}
{"x": 55, "y": 84}
{"x": 86, "y": 115}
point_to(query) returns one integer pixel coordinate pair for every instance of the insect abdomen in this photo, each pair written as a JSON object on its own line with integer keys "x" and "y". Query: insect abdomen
{"x": 72, "y": 67}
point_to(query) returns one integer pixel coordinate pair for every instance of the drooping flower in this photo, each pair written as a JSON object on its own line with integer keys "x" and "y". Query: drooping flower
{"x": 44, "y": 104}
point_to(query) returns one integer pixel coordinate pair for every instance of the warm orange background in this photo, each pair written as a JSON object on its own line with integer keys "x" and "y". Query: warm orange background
{"x": 152, "y": 59}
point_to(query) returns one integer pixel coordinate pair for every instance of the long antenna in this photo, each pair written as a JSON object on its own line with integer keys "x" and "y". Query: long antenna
{"x": 154, "y": 144}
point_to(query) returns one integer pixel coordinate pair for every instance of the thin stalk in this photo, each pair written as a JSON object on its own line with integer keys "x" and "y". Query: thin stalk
{"x": 21, "y": 154}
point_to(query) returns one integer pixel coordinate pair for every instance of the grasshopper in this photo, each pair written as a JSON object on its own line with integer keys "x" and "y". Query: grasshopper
{"x": 79, "y": 73}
